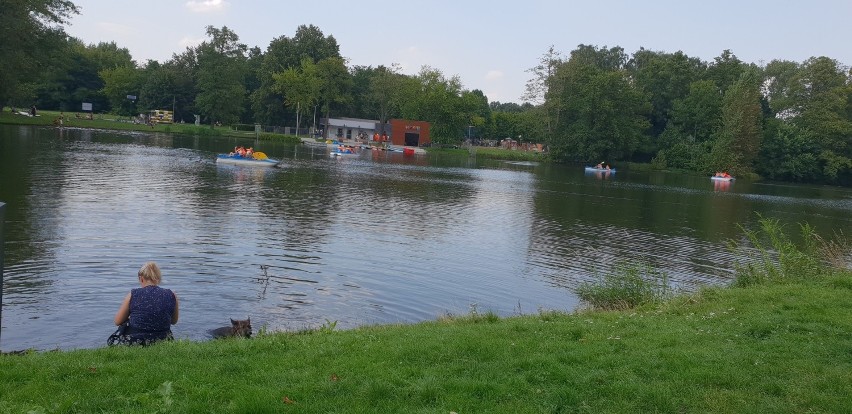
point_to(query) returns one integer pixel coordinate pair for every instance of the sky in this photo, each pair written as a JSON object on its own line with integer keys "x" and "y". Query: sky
{"x": 489, "y": 45}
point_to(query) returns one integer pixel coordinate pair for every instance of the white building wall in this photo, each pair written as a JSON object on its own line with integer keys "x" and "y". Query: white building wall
{"x": 351, "y": 128}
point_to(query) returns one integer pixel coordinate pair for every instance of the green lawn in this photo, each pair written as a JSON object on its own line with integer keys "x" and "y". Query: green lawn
{"x": 767, "y": 348}
{"x": 114, "y": 122}
{"x": 493, "y": 153}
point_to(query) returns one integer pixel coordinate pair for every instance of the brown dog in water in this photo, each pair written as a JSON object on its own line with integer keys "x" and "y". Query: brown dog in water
{"x": 238, "y": 328}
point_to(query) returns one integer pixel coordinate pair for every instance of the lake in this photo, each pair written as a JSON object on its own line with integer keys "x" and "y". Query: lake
{"x": 373, "y": 238}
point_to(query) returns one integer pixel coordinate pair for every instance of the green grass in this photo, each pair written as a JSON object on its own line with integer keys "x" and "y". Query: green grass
{"x": 492, "y": 153}
{"x": 767, "y": 348}
{"x": 510, "y": 155}
{"x": 626, "y": 286}
{"x": 114, "y": 122}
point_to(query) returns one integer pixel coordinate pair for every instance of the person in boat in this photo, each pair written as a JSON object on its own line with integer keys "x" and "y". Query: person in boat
{"x": 147, "y": 312}
{"x": 241, "y": 151}
{"x": 250, "y": 152}
{"x": 600, "y": 165}
{"x": 608, "y": 168}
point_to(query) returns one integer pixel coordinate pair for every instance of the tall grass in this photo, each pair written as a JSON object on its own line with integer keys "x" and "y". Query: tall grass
{"x": 626, "y": 286}
{"x": 770, "y": 256}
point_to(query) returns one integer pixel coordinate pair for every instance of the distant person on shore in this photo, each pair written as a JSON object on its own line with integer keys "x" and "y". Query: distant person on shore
{"x": 147, "y": 312}
{"x": 33, "y": 111}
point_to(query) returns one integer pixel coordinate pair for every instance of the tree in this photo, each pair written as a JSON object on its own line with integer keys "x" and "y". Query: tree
{"x": 358, "y": 105}
{"x": 604, "y": 115}
{"x": 822, "y": 95}
{"x": 430, "y": 96}
{"x": 171, "y": 85}
{"x": 476, "y": 103}
{"x": 158, "y": 85}
{"x": 543, "y": 84}
{"x": 301, "y": 88}
{"x": 285, "y": 53}
{"x": 383, "y": 91}
{"x": 30, "y": 35}
{"x": 725, "y": 70}
{"x": 665, "y": 78}
{"x": 779, "y": 85}
{"x": 221, "y": 73}
{"x": 788, "y": 153}
{"x": 738, "y": 143}
{"x": 335, "y": 83}
{"x": 254, "y": 64}
{"x": 699, "y": 113}
{"x": 74, "y": 77}
{"x": 119, "y": 82}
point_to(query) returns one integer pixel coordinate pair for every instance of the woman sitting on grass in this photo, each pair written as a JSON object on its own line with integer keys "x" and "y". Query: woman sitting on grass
{"x": 148, "y": 311}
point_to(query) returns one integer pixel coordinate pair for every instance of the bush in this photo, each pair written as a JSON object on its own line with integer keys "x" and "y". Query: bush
{"x": 771, "y": 257}
{"x": 626, "y": 286}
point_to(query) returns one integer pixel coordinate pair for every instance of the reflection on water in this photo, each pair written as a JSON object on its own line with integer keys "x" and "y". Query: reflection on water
{"x": 377, "y": 237}
{"x": 600, "y": 175}
{"x": 721, "y": 185}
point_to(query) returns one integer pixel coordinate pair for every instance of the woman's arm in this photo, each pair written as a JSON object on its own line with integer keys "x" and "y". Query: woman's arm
{"x": 123, "y": 311}
{"x": 175, "y": 314}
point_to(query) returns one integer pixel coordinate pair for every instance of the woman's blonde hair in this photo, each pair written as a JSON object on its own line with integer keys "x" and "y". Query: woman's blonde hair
{"x": 151, "y": 272}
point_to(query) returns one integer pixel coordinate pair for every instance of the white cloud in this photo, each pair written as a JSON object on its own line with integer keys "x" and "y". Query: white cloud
{"x": 493, "y": 75}
{"x": 206, "y": 6}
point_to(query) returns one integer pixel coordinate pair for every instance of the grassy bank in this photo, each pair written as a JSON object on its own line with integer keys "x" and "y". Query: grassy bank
{"x": 113, "y": 122}
{"x": 767, "y": 348}
{"x": 493, "y": 153}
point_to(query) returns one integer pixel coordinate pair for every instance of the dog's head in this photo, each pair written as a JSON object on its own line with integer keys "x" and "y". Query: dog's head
{"x": 241, "y": 327}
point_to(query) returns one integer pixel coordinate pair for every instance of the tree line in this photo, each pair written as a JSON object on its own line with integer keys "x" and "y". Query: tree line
{"x": 785, "y": 120}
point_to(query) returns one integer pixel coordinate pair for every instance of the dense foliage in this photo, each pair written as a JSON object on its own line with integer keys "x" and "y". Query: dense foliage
{"x": 785, "y": 120}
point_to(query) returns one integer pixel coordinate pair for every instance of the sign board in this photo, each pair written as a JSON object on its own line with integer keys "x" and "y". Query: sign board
{"x": 87, "y": 106}
{"x": 131, "y": 97}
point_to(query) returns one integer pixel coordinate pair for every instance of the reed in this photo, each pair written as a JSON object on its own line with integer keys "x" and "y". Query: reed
{"x": 626, "y": 286}
{"x": 771, "y": 256}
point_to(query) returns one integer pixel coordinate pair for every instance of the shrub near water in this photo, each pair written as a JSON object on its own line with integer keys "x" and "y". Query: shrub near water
{"x": 626, "y": 286}
{"x": 771, "y": 257}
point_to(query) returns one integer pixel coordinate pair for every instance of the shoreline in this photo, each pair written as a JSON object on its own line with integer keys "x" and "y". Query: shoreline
{"x": 723, "y": 349}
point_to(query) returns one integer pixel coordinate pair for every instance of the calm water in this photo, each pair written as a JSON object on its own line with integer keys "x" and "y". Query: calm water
{"x": 374, "y": 238}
